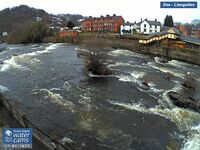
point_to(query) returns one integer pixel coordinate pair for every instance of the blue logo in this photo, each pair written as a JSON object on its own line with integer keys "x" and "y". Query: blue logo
{"x": 17, "y": 137}
{"x": 174, "y": 4}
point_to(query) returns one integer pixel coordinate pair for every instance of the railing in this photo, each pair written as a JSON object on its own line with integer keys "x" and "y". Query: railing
{"x": 40, "y": 135}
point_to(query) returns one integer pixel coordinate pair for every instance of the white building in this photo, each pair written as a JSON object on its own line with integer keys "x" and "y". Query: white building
{"x": 4, "y": 34}
{"x": 149, "y": 27}
{"x": 129, "y": 28}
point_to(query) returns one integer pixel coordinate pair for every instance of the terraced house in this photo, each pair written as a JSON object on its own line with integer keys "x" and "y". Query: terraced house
{"x": 149, "y": 27}
{"x": 107, "y": 23}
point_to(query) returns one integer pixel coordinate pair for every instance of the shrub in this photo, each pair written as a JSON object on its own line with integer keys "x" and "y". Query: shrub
{"x": 95, "y": 64}
{"x": 96, "y": 57}
{"x": 32, "y": 32}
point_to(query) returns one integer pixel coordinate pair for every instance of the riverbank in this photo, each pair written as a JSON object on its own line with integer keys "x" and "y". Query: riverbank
{"x": 132, "y": 44}
{"x": 186, "y": 55}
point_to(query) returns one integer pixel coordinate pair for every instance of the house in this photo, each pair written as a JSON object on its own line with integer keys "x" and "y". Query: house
{"x": 68, "y": 33}
{"x": 87, "y": 24}
{"x": 182, "y": 29}
{"x": 4, "y": 33}
{"x": 145, "y": 27}
{"x": 149, "y": 27}
{"x": 171, "y": 38}
{"x": 129, "y": 28}
{"x": 196, "y": 31}
{"x": 107, "y": 23}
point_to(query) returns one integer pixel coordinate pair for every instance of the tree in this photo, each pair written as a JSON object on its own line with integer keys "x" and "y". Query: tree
{"x": 70, "y": 25}
{"x": 188, "y": 28}
{"x": 36, "y": 32}
{"x": 31, "y": 32}
{"x": 96, "y": 57}
{"x": 168, "y": 22}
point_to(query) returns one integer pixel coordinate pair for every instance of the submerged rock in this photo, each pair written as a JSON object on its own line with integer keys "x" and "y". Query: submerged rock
{"x": 184, "y": 102}
{"x": 190, "y": 82}
{"x": 102, "y": 70}
{"x": 145, "y": 83}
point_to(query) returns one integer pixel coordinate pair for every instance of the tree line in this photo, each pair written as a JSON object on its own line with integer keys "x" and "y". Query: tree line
{"x": 30, "y": 32}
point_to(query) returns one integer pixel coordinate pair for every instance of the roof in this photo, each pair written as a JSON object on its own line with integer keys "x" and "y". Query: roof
{"x": 190, "y": 39}
{"x": 175, "y": 31}
{"x": 157, "y": 23}
{"x": 102, "y": 17}
{"x": 139, "y": 23}
{"x": 128, "y": 24}
{"x": 197, "y": 27}
{"x": 167, "y": 30}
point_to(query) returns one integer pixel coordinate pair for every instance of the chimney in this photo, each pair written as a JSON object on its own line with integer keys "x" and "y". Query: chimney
{"x": 146, "y": 19}
{"x": 101, "y": 16}
{"x": 141, "y": 20}
{"x": 114, "y": 15}
{"x": 134, "y": 22}
{"x": 155, "y": 20}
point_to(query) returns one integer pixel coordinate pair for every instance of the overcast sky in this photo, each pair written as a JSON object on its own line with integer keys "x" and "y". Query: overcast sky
{"x": 131, "y": 10}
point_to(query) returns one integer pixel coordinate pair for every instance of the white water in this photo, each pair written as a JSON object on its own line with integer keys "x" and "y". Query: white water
{"x": 167, "y": 70}
{"x": 26, "y": 57}
{"x": 3, "y": 88}
{"x": 55, "y": 98}
{"x": 125, "y": 53}
{"x": 185, "y": 120}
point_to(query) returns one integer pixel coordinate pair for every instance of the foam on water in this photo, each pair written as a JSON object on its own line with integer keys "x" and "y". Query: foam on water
{"x": 166, "y": 70}
{"x": 125, "y": 53}
{"x": 180, "y": 64}
{"x": 137, "y": 74}
{"x": 120, "y": 64}
{"x": 3, "y": 88}
{"x": 13, "y": 61}
{"x": 90, "y": 74}
{"x": 82, "y": 49}
{"x": 126, "y": 78}
{"x": 183, "y": 118}
{"x": 160, "y": 60}
{"x": 56, "y": 89}
{"x": 55, "y": 98}
{"x": 67, "y": 86}
{"x": 193, "y": 141}
{"x": 53, "y": 46}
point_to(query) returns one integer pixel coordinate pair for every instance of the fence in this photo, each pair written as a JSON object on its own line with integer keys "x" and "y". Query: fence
{"x": 40, "y": 135}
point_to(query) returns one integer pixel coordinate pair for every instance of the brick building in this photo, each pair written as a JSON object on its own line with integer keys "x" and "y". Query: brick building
{"x": 107, "y": 23}
{"x": 69, "y": 33}
{"x": 196, "y": 31}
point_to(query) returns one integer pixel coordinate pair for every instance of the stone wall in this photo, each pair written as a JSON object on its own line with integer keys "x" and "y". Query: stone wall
{"x": 188, "y": 55}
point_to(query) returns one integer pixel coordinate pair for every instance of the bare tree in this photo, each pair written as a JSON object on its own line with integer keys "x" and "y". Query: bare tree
{"x": 96, "y": 57}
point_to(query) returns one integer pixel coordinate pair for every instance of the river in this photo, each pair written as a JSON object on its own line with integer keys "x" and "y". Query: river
{"x": 49, "y": 84}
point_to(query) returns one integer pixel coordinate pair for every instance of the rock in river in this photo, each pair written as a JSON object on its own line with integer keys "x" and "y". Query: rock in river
{"x": 184, "y": 102}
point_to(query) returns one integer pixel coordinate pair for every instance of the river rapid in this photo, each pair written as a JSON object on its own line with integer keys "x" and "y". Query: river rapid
{"x": 49, "y": 84}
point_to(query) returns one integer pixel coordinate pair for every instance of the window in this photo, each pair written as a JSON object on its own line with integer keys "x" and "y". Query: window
{"x": 145, "y": 30}
{"x": 145, "y": 25}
